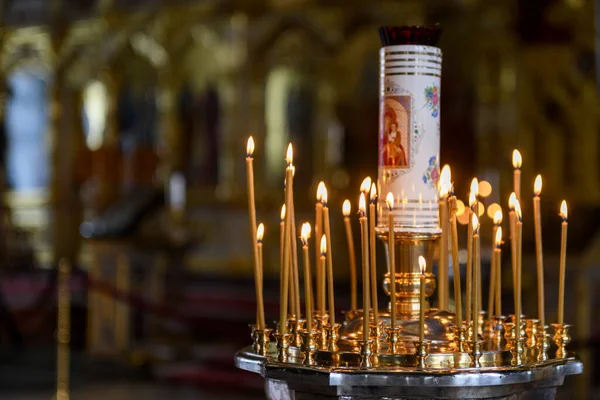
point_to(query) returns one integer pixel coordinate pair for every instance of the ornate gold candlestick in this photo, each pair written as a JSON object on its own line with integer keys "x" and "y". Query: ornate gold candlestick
{"x": 283, "y": 345}
{"x": 366, "y": 353}
{"x": 543, "y": 343}
{"x": 321, "y": 323}
{"x": 260, "y": 340}
{"x": 421, "y": 352}
{"x": 309, "y": 346}
{"x": 531, "y": 328}
{"x": 561, "y": 339}
{"x": 393, "y": 339}
{"x": 332, "y": 337}
{"x": 475, "y": 353}
{"x": 498, "y": 330}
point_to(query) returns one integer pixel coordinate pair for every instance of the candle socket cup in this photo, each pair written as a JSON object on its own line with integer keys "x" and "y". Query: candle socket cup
{"x": 475, "y": 353}
{"x": 466, "y": 335}
{"x": 509, "y": 334}
{"x": 309, "y": 346}
{"x": 517, "y": 347}
{"x": 299, "y": 328}
{"x": 498, "y": 330}
{"x": 561, "y": 338}
{"x": 260, "y": 340}
{"x": 333, "y": 334}
{"x": 543, "y": 343}
{"x": 460, "y": 337}
{"x": 489, "y": 328}
{"x": 393, "y": 339}
{"x": 322, "y": 321}
{"x": 376, "y": 334}
{"x": 421, "y": 352}
{"x": 283, "y": 345}
{"x": 366, "y": 353}
{"x": 531, "y": 329}
{"x": 292, "y": 326}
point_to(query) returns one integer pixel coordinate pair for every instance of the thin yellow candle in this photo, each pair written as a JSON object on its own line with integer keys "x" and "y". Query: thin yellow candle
{"x": 319, "y": 221}
{"x": 445, "y": 179}
{"x": 453, "y": 206}
{"x": 563, "y": 263}
{"x": 364, "y": 235}
{"x": 519, "y": 235}
{"x": 283, "y": 299}
{"x": 373, "y": 254}
{"x": 475, "y": 209}
{"x": 469, "y": 280}
{"x": 476, "y": 273}
{"x": 294, "y": 249}
{"x": 281, "y": 245}
{"x": 493, "y": 281}
{"x": 323, "y": 263}
{"x": 260, "y": 321}
{"x": 539, "y": 254}
{"x": 304, "y": 236}
{"x": 320, "y": 273}
{"x": 346, "y": 208}
{"x": 513, "y": 241}
{"x": 498, "y": 261}
{"x": 330, "y": 292}
{"x": 389, "y": 200}
{"x": 260, "y": 232}
{"x": 422, "y": 268}
{"x": 327, "y": 234}
{"x": 517, "y": 160}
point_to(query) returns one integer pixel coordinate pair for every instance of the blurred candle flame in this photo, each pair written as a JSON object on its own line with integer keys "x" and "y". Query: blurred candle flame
{"x": 475, "y": 187}
{"x": 517, "y": 160}
{"x": 511, "y": 201}
{"x": 563, "y": 211}
{"x": 537, "y": 185}
{"x": 250, "y": 147}
{"x": 518, "y": 210}
{"x": 498, "y": 217}
{"x": 320, "y": 190}
{"x": 260, "y": 232}
{"x": 289, "y": 157}
{"x": 373, "y": 193}
{"x": 389, "y": 199}
{"x": 475, "y": 224}
{"x": 282, "y": 215}
{"x": 498, "y": 239}
{"x": 362, "y": 205}
{"x": 365, "y": 185}
{"x": 324, "y": 196}
{"x": 422, "y": 265}
{"x": 346, "y": 207}
{"x": 305, "y": 233}
{"x": 323, "y": 245}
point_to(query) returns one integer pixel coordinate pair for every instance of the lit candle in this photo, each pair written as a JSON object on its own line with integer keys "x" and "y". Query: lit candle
{"x": 327, "y": 234}
{"x": 498, "y": 262}
{"x": 476, "y": 205}
{"x": 351, "y": 254}
{"x": 513, "y": 241}
{"x": 319, "y": 221}
{"x": 260, "y": 231}
{"x": 422, "y": 268}
{"x": 364, "y": 235}
{"x": 493, "y": 281}
{"x": 373, "y": 253}
{"x": 444, "y": 188}
{"x": 365, "y": 186}
{"x": 323, "y": 263}
{"x": 469, "y": 290}
{"x": 389, "y": 199}
{"x": 260, "y": 321}
{"x": 519, "y": 235}
{"x": 320, "y": 273}
{"x": 453, "y": 206}
{"x": 563, "y": 263}
{"x": 281, "y": 246}
{"x": 476, "y": 273}
{"x": 517, "y": 160}
{"x": 283, "y": 299}
{"x": 539, "y": 256}
{"x": 304, "y": 236}
{"x": 294, "y": 248}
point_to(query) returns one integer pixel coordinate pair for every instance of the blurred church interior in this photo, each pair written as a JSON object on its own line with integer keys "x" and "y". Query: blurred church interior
{"x": 123, "y": 134}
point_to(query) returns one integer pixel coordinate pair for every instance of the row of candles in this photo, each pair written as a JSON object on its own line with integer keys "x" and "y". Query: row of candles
{"x": 290, "y": 288}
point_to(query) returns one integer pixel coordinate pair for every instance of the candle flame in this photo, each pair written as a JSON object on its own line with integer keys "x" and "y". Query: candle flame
{"x": 323, "y": 245}
{"x": 260, "y": 232}
{"x": 373, "y": 193}
{"x": 518, "y": 210}
{"x": 517, "y": 160}
{"x": 365, "y": 185}
{"x": 445, "y": 179}
{"x": 346, "y": 208}
{"x": 444, "y": 189}
{"x": 389, "y": 199}
{"x": 498, "y": 240}
{"x": 305, "y": 233}
{"x": 475, "y": 187}
{"x": 320, "y": 190}
{"x": 362, "y": 205}
{"x": 472, "y": 199}
{"x": 537, "y": 185}
{"x": 282, "y": 215}
{"x": 422, "y": 265}
{"x": 324, "y": 196}
{"x": 563, "y": 210}
{"x": 498, "y": 217}
{"x": 446, "y": 174}
{"x": 511, "y": 201}
{"x": 289, "y": 157}
{"x": 250, "y": 147}
{"x": 475, "y": 224}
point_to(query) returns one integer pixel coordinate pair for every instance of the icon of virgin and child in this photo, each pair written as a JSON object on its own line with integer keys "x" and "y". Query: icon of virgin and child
{"x": 393, "y": 139}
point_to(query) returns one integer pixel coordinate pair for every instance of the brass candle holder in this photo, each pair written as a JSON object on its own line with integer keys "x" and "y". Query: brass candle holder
{"x": 517, "y": 347}
{"x": 309, "y": 346}
{"x": 292, "y": 328}
{"x": 543, "y": 343}
{"x": 393, "y": 339}
{"x": 509, "y": 334}
{"x": 366, "y": 353}
{"x": 332, "y": 337}
{"x": 260, "y": 340}
{"x": 299, "y": 327}
{"x": 531, "y": 328}
{"x": 283, "y": 345}
{"x": 322, "y": 322}
{"x": 498, "y": 330}
{"x": 376, "y": 335}
{"x": 561, "y": 338}
{"x": 475, "y": 353}
{"x": 421, "y": 353}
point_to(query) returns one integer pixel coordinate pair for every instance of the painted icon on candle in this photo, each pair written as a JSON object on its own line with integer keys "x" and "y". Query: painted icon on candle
{"x": 394, "y": 150}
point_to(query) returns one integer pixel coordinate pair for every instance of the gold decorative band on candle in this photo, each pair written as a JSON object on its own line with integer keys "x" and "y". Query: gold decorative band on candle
{"x": 409, "y": 136}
